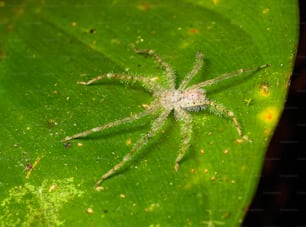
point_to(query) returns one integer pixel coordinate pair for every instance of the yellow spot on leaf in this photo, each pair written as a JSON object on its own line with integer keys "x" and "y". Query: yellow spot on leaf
{"x": 269, "y": 115}
{"x": 239, "y": 140}
{"x": 265, "y": 11}
{"x": 144, "y": 6}
{"x": 156, "y": 78}
{"x": 193, "y": 31}
{"x": 145, "y": 106}
{"x": 152, "y": 207}
{"x": 89, "y": 210}
{"x": 52, "y": 187}
{"x": 128, "y": 142}
{"x": 99, "y": 188}
{"x": 122, "y": 196}
{"x": 215, "y": 2}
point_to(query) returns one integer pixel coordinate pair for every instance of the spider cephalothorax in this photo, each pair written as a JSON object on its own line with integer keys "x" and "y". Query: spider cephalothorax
{"x": 181, "y": 100}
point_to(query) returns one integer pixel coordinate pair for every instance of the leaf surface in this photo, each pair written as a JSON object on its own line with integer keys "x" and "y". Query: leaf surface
{"x": 47, "y": 46}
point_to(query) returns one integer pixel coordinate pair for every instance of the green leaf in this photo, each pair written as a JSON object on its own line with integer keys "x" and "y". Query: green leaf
{"x": 47, "y": 46}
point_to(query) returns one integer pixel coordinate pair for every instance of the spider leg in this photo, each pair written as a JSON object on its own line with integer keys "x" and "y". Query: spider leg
{"x": 156, "y": 126}
{"x": 110, "y": 125}
{"x": 186, "y": 131}
{"x": 227, "y": 76}
{"x": 169, "y": 71}
{"x": 197, "y": 66}
{"x": 149, "y": 83}
{"x": 221, "y": 110}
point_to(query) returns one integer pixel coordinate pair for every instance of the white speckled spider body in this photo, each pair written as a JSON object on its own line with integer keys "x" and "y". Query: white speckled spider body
{"x": 181, "y": 100}
{"x": 191, "y": 99}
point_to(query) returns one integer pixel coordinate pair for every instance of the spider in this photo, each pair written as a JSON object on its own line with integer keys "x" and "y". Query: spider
{"x": 166, "y": 98}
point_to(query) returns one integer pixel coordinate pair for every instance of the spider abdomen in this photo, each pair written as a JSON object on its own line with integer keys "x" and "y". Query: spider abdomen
{"x": 193, "y": 100}
{"x": 190, "y": 99}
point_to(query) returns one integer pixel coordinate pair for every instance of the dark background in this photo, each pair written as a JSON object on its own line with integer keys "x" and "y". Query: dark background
{"x": 281, "y": 195}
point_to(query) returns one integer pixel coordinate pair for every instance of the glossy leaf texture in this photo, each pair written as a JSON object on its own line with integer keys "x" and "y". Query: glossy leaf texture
{"x": 47, "y": 46}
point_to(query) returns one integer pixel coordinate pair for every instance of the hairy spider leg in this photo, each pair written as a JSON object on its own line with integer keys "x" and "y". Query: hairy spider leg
{"x": 186, "y": 130}
{"x": 169, "y": 71}
{"x": 221, "y": 110}
{"x": 111, "y": 124}
{"x": 227, "y": 76}
{"x": 148, "y": 83}
{"x": 156, "y": 126}
{"x": 197, "y": 66}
